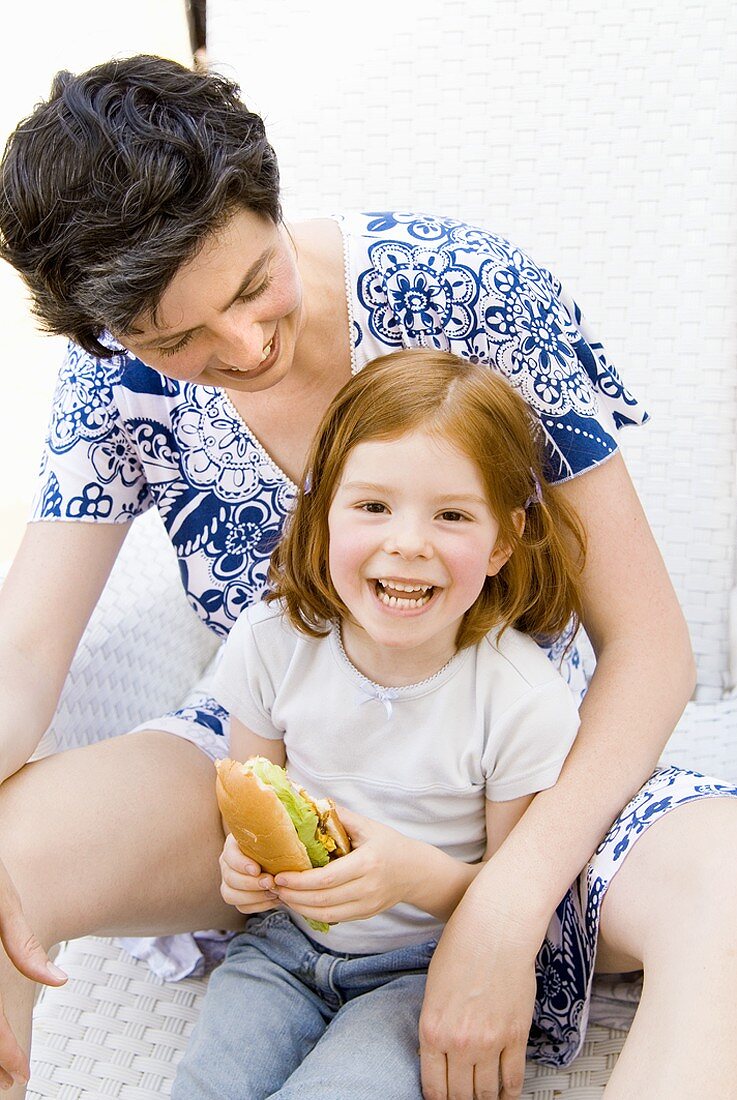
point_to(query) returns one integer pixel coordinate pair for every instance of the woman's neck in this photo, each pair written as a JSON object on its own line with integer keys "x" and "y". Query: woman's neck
{"x": 324, "y": 344}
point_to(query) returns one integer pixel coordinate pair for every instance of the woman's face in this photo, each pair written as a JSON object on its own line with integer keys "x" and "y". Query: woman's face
{"x": 232, "y": 315}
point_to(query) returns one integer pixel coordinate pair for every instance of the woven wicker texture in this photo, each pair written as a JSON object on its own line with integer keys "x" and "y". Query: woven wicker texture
{"x": 600, "y": 137}
{"x": 142, "y": 633}
{"x": 117, "y": 1031}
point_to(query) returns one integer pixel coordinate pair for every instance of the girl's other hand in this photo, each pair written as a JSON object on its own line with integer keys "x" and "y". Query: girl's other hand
{"x": 371, "y": 878}
{"x": 478, "y": 1005}
{"x": 243, "y": 884}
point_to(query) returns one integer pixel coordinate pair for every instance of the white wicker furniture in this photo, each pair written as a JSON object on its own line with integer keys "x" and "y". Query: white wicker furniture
{"x": 603, "y": 140}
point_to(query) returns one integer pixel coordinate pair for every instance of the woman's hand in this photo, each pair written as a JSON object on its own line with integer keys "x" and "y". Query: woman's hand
{"x": 28, "y": 956}
{"x": 371, "y": 878}
{"x": 478, "y": 1005}
{"x": 243, "y": 883}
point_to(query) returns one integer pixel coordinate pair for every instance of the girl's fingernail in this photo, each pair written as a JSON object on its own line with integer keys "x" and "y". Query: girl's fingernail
{"x": 19, "y": 1079}
{"x": 55, "y": 972}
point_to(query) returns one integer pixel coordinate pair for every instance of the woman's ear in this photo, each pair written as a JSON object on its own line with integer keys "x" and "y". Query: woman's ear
{"x": 502, "y": 552}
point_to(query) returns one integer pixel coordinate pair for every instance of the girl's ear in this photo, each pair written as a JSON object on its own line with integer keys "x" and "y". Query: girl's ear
{"x": 502, "y": 552}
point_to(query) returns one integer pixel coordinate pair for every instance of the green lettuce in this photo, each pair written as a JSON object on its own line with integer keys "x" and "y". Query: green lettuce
{"x": 303, "y": 817}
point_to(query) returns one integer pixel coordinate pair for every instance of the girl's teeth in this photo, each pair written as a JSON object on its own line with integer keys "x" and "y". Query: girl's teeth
{"x": 397, "y": 601}
{"x": 405, "y": 587}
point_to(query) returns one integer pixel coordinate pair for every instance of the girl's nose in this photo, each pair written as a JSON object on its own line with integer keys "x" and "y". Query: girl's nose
{"x": 409, "y": 541}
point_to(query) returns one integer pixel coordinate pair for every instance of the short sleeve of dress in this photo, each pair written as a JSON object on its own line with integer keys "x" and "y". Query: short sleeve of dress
{"x": 437, "y": 282}
{"x": 90, "y": 469}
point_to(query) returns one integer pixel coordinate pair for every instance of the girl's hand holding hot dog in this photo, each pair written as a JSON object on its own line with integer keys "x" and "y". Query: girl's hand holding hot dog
{"x": 384, "y": 869}
{"x": 243, "y": 883}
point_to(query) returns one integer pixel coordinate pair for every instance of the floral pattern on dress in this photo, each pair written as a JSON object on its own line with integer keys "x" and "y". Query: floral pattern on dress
{"x": 441, "y": 283}
{"x": 564, "y": 967}
{"x": 124, "y": 437}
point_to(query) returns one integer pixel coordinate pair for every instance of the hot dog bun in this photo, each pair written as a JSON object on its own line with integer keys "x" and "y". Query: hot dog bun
{"x": 265, "y": 829}
{"x": 262, "y": 828}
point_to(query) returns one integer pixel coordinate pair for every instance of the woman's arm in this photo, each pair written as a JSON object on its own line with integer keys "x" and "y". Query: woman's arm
{"x": 45, "y": 604}
{"x": 479, "y": 1002}
{"x": 645, "y": 675}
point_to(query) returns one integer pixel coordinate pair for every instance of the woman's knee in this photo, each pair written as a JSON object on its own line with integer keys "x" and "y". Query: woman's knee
{"x": 97, "y": 835}
{"x": 678, "y": 881}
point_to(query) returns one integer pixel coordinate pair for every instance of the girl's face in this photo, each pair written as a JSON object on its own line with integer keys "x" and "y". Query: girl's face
{"x": 412, "y": 541}
{"x": 232, "y": 315}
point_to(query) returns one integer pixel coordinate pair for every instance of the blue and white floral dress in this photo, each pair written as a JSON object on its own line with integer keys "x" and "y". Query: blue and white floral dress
{"x": 124, "y": 438}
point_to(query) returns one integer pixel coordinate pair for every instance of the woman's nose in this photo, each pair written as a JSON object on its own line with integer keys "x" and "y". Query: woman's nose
{"x": 240, "y": 345}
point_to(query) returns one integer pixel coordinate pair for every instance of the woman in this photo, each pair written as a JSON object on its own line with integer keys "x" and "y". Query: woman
{"x": 141, "y": 205}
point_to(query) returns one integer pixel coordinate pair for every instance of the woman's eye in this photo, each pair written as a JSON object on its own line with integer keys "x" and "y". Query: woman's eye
{"x": 176, "y": 347}
{"x": 261, "y": 289}
{"x": 374, "y": 506}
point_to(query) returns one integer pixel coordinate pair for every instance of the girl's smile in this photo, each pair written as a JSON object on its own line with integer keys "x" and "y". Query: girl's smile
{"x": 411, "y": 542}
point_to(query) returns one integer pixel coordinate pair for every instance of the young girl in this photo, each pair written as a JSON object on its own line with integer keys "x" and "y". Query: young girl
{"x": 388, "y": 669}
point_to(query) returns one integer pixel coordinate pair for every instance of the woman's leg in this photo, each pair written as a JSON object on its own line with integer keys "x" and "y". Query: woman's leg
{"x": 121, "y": 837}
{"x": 672, "y": 909}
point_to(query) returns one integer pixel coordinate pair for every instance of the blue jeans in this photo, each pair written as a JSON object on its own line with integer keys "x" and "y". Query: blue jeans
{"x": 284, "y": 1017}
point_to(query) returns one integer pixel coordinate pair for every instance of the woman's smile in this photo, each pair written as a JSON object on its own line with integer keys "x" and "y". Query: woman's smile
{"x": 232, "y": 316}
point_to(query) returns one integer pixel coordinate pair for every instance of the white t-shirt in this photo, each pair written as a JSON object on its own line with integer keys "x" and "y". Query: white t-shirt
{"x": 495, "y": 723}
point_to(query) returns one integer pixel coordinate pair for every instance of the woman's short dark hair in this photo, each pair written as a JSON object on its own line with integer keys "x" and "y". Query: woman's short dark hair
{"x": 117, "y": 180}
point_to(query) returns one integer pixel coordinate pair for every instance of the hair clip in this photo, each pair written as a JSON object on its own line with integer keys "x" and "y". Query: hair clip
{"x": 307, "y": 484}
{"x": 536, "y": 497}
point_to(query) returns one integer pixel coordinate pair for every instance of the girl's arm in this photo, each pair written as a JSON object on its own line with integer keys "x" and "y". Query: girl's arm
{"x": 243, "y": 884}
{"x": 479, "y": 1003}
{"x": 435, "y": 882}
{"x": 386, "y": 868}
{"x": 245, "y": 743}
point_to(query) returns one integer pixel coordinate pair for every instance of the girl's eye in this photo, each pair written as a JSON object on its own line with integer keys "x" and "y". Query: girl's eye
{"x": 451, "y": 516}
{"x": 261, "y": 289}
{"x": 176, "y": 347}
{"x": 374, "y": 506}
